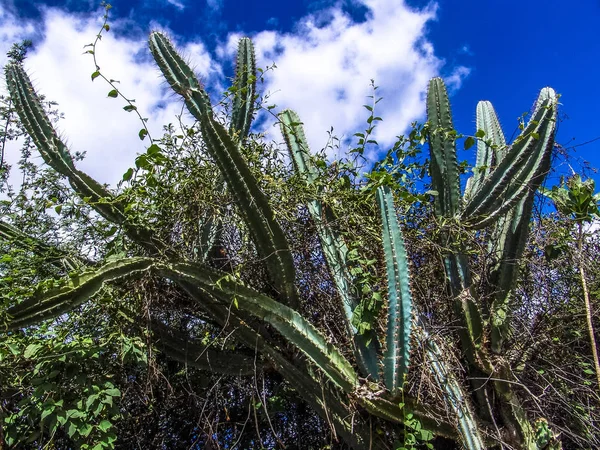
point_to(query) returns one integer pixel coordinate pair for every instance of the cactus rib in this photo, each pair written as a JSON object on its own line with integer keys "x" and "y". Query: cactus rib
{"x": 399, "y": 297}
{"x": 443, "y": 165}
{"x": 334, "y": 247}
{"x": 47, "y": 305}
{"x": 521, "y": 170}
{"x": 244, "y": 90}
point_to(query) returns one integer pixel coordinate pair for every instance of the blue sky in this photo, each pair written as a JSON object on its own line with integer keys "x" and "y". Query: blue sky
{"x": 326, "y": 52}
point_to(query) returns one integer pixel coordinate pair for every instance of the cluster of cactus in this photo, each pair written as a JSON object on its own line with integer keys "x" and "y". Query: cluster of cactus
{"x": 499, "y": 195}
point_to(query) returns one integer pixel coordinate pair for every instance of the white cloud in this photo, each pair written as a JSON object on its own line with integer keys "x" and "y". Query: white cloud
{"x": 455, "y": 79}
{"x": 324, "y": 69}
{"x": 93, "y": 122}
{"x": 177, "y": 4}
{"x": 323, "y": 72}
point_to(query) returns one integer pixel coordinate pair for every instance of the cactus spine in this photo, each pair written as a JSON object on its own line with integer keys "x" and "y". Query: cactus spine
{"x": 399, "y": 321}
{"x": 334, "y": 247}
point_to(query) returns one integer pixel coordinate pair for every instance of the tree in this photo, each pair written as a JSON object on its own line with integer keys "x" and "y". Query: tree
{"x": 262, "y": 256}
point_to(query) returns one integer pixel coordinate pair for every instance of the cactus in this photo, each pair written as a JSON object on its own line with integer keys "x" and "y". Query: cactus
{"x": 271, "y": 243}
{"x": 500, "y": 194}
{"x": 244, "y": 88}
{"x": 334, "y": 247}
{"x": 399, "y": 296}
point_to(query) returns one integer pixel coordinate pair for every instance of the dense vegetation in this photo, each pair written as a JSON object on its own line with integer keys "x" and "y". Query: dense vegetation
{"x": 232, "y": 293}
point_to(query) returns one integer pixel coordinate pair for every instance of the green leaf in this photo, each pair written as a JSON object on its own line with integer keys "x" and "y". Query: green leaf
{"x": 130, "y": 108}
{"x": 104, "y": 425}
{"x": 71, "y": 429}
{"x": 98, "y": 409}
{"x": 425, "y": 435}
{"x": 127, "y": 175}
{"x": 75, "y": 414}
{"x": 113, "y": 392}
{"x": 47, "y": 412}
{"x": 113, "y": 94}
{"x": 85, "y": 429}
{"x": 14, "y": 349}
{"x": 480, "y": 134}
{"x": 469, "y": 142}
{"x": 95, "y": 75}
{"x": 90, "y": 400}
{"x": 106, "y": 27}
{"x": 61, "y": 416}
{"x": 31, "y": 350}
{"x": 142, "y": 134}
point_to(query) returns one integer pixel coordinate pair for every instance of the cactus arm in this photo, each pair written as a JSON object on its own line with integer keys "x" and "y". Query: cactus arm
{"x": 314, "y": 392}
{"x": 59, "y": 258}
{"x": 445, "y": 180}
{"x": 444, "y": 165}
{"x": 211, "y": 230}
{"x": 487, "y": 155}
{"x": 521, "y": 170}
{"x": 334, "y": 247}
{"x": 457, "y": 400}
{"x": 51, "y": 148}
{"x": 510, "y": 240}
{"x": 55, "y": 154}
{"x": 327, "y": 403}
{"x": 244, "y": 90}
{"x": 179, "y": 75}
{"x": 268, "y": 236}
{"x": 79, "y": 289}
{"x": 292, "y": 326}
{"x": 33, "y": 117}
{"x": 388, "y": 408}
{"x": 297, "y": 144}
{"x": 399, "y": 321}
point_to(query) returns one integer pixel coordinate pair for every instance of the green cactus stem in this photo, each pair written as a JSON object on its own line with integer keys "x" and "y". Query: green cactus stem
{"x": 59, "y": 258}
{"x": 399, "y": 320}
{"x": 521, "y": 170}
{"x": 267, "y": 234}
{"x": 244, "y": 90}
{"x": 444, "y": 165}
{"x": 491, "y": 148}
{"x": 467, "y": 425}
{"x": 56, "y": 155}
{"x": 80, "y": 288}
{"x": 334, "y": 247}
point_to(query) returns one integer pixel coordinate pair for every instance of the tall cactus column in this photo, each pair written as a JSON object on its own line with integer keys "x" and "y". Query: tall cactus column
{"x": 500, "y": 194}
